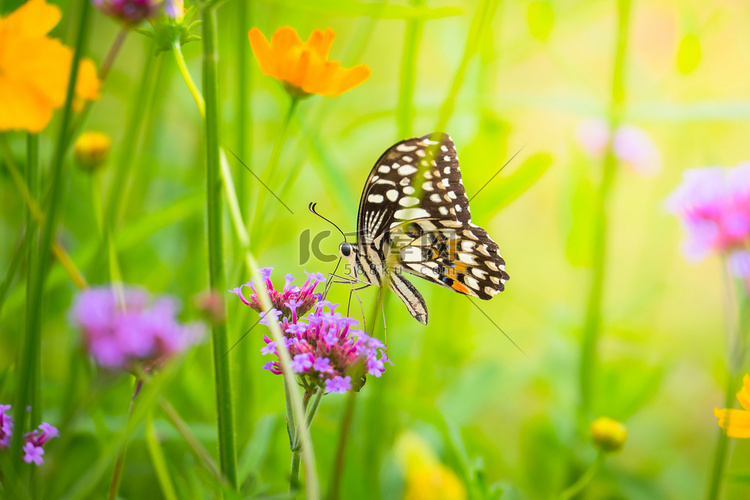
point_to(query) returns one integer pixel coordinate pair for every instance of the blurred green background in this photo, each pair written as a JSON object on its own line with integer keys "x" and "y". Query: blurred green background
{"x": 458, "y": 381}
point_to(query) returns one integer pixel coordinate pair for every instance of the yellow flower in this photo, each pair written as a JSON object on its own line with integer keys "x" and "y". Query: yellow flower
{"x": 303, "y": 67}
{"x": 425, "y": 477}
{"x": 737, "y": 422}
{"x": 91, "y": 150}
{"x": 34, "y": 69}
{"x": 608, "y": 434}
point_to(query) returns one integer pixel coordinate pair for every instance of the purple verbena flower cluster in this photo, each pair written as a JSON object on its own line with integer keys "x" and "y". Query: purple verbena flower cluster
{"x": 326, "y": 350}
{"x": 33, "y": 442}
{"x": 288, "y": 302}
{"x": 120, "y": 329}
{"x": 713, "y": 205}
{"x": 128, "y": 11}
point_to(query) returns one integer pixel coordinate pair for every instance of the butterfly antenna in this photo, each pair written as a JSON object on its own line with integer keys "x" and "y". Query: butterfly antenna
{"x": 312, "y": 206}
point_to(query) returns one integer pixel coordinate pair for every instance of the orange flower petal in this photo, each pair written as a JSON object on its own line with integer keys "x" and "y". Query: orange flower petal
{"x": 299, "y": 69}
{"x": 347, "y": 79}
{"x": 744, "y": 395}
{"x": 320, "y": 41}
{"x": 321, "y": 80}
{"x": 736, "y": 423}
{"x": 283, "y": 45}
{"x": 87, "y": 81}
{"x": 33, "y": 19}
{"x": 262, "y": 52}
{"x": 21, "y": 108}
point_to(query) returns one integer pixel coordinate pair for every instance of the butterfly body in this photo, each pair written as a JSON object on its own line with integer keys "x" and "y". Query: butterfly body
{"x": 414, "y": 217}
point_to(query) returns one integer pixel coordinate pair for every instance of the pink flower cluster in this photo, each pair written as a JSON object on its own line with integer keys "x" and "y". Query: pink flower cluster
{"x": 713, "y": 205}
{"x": 303, "y": 298}
{"x": 326, "y": 351}
{"x": 125, "y": 327}
{"x": 33, "y": 442}
{"x": 631, "y": 145}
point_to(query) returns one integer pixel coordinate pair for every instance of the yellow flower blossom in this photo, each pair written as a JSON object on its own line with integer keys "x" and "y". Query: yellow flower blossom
{"x": 91, "y": 150}
{"x": 34, "y": 69}
{"x": 303, "y": 67}
{"x": 737, "y": 422}
{"x": 425, "y": 477}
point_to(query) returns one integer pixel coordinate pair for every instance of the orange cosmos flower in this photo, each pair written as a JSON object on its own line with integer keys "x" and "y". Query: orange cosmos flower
{"x": 303, "y": 67}
{"x": 34, "y": 69}
{"x": 737, "y": 422}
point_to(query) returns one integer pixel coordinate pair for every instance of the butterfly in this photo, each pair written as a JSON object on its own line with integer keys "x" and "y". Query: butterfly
{"x": 422, "y": 227}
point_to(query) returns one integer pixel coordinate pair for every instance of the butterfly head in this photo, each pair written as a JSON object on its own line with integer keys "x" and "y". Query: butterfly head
{"x": 347, "y": 251}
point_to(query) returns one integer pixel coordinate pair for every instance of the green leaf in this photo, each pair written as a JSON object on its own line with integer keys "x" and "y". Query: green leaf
{"x": 351, "y": 8}
{"x": 688, "y": 54}
{"x": 540, "y": 18}
{"x": 157, "y": 458}
{"x": 258, "y": 447}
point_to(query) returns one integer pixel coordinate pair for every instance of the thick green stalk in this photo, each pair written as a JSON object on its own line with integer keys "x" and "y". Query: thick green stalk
{"x": 405, "y": 111}
{"x": 32, "y": 181}
{"x": 244, "y": 124}
{"x": 244, "y": 412}
{"x": 227, "y": 454}
{"x": 32, "y": 339}
{"x": 593, "y": 318}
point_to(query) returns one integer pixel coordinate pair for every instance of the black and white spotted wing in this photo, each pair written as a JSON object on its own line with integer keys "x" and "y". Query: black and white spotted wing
{"x": 427, "y": 221}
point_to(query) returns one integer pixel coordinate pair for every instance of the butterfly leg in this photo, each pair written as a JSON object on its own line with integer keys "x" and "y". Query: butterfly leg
{"x": 361, "y": 305}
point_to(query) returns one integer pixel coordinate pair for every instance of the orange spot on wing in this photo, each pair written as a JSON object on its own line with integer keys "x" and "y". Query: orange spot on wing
{"x": 460, "y": 287}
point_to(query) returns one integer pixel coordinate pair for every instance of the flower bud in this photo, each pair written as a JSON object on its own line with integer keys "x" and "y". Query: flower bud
{"x": 91, "y": 150}
{"x": 130, "y": 12}
{"x": 608, "y": 434}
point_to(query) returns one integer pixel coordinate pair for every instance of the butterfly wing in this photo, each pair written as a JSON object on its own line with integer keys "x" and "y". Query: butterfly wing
{"x": 432, "y": 228}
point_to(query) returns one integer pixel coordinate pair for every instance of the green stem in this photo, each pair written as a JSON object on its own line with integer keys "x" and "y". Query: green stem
{"x": 32, "y": 261}
{"x": 271, "y": 168}
{"x": 192, "y": 87}
{"x": 32, "y": 340}
{"x": 737, "y": 330}
{"x": 117, "y": 474}
{"x": 346, "y": 426}
{"x": 405, "y": 111}
{"x": 593, "y": 318}
{"x": 576, "y": 488}
{"x": 244, "y": 113}
{"x": 227, "y": 454}
{"x": 157, "y": 459}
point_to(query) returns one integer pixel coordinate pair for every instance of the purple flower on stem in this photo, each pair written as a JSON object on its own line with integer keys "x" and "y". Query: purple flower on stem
{"x": 339, "y": 384}
{"x": 121, "y": 327}
{"x": 33, "y": 454}
{"x": 33, "y": 441}
{"x": 322, "y": 364}
{"x": 713, "y": 205}
{"x": 302, "y": 363}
